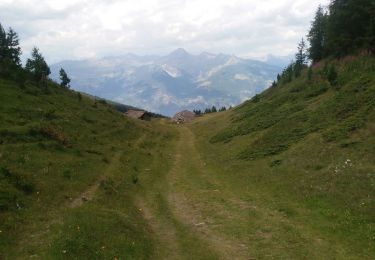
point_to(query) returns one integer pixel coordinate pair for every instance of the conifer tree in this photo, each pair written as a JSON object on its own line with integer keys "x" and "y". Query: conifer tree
{"x": 370, "y": 33}
{"x": 317, "y": 35}
{"x": 13, "y": 48}
{"x": 10, "y": 50}
{"x": 287, "y": 74}
{"x": 3, "y": 43}
{"x": 301, "y": 58}
{"x": 65, "y": 80}
{"x": 37, "y": 65}
{"x": 197, "y": 112}
{"x": 349, "y": 26}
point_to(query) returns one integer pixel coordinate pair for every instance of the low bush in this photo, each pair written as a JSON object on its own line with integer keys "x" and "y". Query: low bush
{"x": 20, "y": 182}
{"x": 55, "y": 133}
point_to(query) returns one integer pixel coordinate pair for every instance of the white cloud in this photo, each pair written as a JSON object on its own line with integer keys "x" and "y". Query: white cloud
{"x": 241, "y": 77}
{"x": 75, "y": 29}
{"x": 196, "y": 100}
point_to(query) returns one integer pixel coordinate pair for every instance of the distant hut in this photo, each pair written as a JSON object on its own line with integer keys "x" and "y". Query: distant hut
{"x": 183, "y": 117}
{"x": 138, "y": 114}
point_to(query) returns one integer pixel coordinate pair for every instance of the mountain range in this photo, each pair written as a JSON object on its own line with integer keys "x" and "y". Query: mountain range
{"x": 168, "y": 84}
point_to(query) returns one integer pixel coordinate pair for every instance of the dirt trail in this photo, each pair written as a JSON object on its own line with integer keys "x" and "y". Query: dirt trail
{"x": 78, "y": 201}
{"x": 86, "y": 195}
{"x": 181, "y": 210}
{"x": 161, "y": 226}
{"x": 164, "y": 232}
{"x": 190, "y": 213}
{"x": 89, "y": 193}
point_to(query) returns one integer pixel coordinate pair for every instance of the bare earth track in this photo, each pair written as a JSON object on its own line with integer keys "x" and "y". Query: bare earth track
{"x": 175, "y": 208}
{"x": 89, "y": 193}
{"x": 186, "y": 211}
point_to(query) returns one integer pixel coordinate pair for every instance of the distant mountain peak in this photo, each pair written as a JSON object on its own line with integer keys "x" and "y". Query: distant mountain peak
{"x": 171, "y": 83}
{"x": 179, "y": 52}
{"x": 171, "y": 71}
{"x": 233, "y": 60}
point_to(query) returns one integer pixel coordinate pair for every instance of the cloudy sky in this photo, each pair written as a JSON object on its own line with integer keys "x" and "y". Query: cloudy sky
{"x": 77, "y": 29}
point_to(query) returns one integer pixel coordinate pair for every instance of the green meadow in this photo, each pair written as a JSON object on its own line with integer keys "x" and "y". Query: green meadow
{"x": 289, "y": 174}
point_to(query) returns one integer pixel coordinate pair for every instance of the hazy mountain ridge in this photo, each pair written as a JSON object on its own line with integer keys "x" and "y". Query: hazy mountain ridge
{"x": 166, "y": 84}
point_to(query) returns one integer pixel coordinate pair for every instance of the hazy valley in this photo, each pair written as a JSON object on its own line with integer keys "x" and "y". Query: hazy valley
{"x": 168, "y": 84}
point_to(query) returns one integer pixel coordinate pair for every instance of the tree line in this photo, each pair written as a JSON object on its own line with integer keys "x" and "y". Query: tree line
{"x": 36, "y": 68}
{"x": 209, "y": 110}
{"x": 343, "y": 28}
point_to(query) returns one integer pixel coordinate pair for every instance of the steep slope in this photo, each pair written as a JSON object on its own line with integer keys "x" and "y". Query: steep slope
{"x": 302, "y": 154}
{"x": 69, "y": 170}
{"x": 168, "y": 84}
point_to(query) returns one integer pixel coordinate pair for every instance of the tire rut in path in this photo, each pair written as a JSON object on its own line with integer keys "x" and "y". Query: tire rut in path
{"x": 162, "y": 228}
{"x": 89, "y": 193}
{"x": 77, "y": 202}
{"x": 164, "y": 232}
{"x": 188, "y": 213}
{"x": 85, "y": 196}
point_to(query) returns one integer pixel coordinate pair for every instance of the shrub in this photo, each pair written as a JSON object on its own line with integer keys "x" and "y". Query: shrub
{"x": 332, "y": 75}
{"x": 275, "y": 163}
{"x": 8, "y": 201}
{"x": 108, "y": 186}
{"x": 54, "y": 133}
{"x": 106, "y": 160}
{"x": 309, "y": 74}
{"x": 67, "y": 174}
{"x": 134, "y": 179}
{"x": 18, "y": 181}
{"x": 315, "y": 91}
{"x": 256, "y": 98}
{"x": 51, "y": 114}
{"x": 102, "y": 101}
{"x": 344, "y": 129}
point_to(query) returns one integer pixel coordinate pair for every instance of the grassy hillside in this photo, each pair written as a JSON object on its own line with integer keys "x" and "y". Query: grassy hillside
{"x": 289, "y": 174}
{"x": 59, "y": 149}
{"x": 302, "y": 154}
{"x": 121, "y": 107}
{"x": 80, "y": 181}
